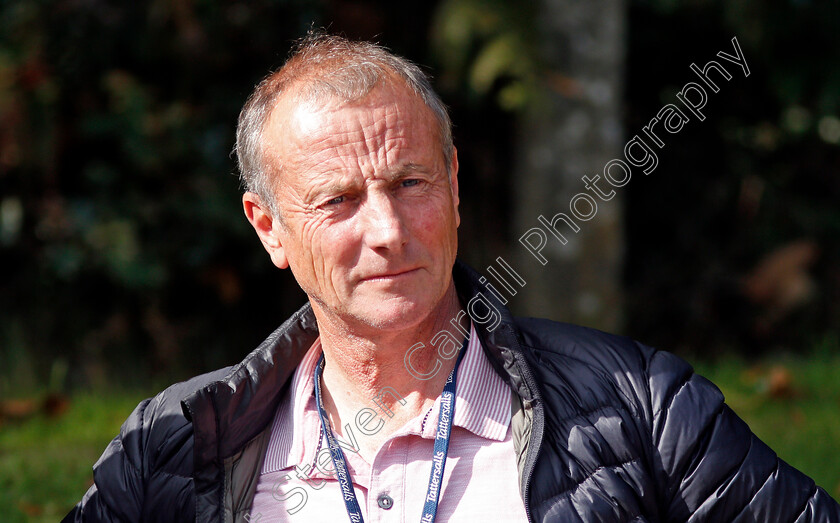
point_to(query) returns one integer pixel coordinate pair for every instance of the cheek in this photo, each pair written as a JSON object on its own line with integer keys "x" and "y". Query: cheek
{"x": 315, "y": 248}
{"x": 435, "y": 224}
{"x": 334, "y": 252}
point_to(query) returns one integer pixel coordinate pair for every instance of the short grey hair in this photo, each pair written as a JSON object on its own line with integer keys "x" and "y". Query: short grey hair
{"x": 325, "y": 66}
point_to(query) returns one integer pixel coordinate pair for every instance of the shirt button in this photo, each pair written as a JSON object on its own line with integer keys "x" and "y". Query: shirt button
{"x": 385, "y": 501}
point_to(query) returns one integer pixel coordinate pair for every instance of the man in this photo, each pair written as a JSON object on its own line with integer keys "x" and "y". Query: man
{"x": 404, "y": 390}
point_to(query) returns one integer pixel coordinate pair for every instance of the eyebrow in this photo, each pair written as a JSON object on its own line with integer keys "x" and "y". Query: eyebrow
{"x": 404, "y": 171}
{"x": 336, "y": 187}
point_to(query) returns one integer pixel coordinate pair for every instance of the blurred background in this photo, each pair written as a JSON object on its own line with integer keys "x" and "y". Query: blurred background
{"x": 126, "y": 263}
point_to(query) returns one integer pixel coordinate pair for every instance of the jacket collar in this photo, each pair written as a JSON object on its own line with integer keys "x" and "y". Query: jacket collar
{"x": 499, "y": 338}
{"x": 230, "y": 412}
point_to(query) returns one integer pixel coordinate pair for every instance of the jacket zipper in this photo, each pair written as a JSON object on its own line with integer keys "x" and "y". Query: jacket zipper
{"x": 537, "y": 426}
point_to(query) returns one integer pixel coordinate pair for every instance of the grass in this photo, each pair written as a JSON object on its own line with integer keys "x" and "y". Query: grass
{"x": 792, "y": 403}
{"x": 45, "y": 463}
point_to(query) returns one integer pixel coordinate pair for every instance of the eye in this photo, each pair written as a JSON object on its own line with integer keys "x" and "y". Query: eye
{"x": 336, "y": 200}
{"x": 410, "y": 182}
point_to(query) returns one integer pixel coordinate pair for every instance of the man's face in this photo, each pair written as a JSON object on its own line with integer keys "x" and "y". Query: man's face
{"x": 369, "y": 215}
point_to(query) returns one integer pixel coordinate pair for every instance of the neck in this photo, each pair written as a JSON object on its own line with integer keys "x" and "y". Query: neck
{"x": 360, "y": 369}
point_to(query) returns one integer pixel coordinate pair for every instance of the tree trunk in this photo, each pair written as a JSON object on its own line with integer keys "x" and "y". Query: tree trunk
{"x": 573, "y": 132}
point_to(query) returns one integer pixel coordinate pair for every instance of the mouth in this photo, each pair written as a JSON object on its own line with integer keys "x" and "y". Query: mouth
{"x": 389, "y": 276}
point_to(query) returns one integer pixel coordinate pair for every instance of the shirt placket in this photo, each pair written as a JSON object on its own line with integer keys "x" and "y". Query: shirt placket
{"x": 386, "y": 500}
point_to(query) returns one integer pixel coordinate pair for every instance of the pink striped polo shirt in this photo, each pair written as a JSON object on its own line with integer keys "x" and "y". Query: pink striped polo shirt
{"x": 480, "y": 482}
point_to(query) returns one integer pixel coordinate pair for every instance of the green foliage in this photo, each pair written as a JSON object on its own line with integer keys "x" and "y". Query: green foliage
{"x": 486, "y": 48}
{"x": 118, "y": 203}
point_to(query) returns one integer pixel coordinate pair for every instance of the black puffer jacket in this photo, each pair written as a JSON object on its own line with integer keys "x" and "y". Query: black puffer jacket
{"x": 605, "y": 430}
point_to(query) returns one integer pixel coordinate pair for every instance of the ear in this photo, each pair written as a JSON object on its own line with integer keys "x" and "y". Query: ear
{"x": 453, "y": 183}
{"x": 268, "y": 228}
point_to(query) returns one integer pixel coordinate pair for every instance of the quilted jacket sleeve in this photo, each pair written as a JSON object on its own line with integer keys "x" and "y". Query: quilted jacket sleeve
{"x": 712, "y": 467}
{"x": 145, "y": 473}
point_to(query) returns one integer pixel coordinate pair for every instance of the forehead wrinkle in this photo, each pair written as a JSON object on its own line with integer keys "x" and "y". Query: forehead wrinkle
{"x": 356, "y": 146}
{"x": 342, "y": 133}
{"x": 370, "y": 129}
{"x": 320, "y": 168}
{"x": 387, "y": 135}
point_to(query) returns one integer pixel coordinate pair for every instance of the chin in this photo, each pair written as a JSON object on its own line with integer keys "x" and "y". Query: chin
{"x": 394, "y": 314}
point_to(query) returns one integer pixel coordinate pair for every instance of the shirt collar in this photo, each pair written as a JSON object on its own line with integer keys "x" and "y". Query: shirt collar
{"x": 482, "y": 403}
{"x": 482, "y": 406}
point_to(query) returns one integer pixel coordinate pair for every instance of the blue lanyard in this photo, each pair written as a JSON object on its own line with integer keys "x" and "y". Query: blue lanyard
{"x": 445, "y": 417}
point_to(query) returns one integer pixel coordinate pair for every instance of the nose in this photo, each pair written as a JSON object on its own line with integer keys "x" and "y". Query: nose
{"x": 382, "y": 222}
